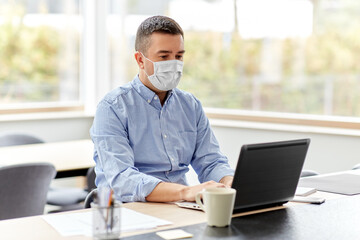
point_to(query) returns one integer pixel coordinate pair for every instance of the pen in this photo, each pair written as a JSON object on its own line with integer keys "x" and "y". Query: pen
{"x": 109, "y": 205}
{"x": 112, "y": 214}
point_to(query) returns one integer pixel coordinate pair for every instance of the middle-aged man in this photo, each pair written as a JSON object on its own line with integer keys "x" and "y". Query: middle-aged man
{"x": 147, "y": 132}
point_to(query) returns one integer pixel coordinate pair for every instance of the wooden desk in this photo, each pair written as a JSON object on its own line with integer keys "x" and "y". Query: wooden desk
{"x": 35, "y": 228}
{"x": 70, "y": 158}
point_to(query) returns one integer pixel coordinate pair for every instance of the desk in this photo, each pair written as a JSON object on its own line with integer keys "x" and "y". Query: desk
{"x": 70, "y": 158}
{"x": 337, "y": 217}
{"x": 35, "y": 228}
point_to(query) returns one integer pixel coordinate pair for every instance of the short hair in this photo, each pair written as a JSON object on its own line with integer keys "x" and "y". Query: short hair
{"x": 153, "y": 24}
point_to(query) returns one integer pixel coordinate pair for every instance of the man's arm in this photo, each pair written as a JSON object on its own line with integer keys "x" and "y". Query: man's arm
{"x": 171, "y": 192}
{"x": 114, "y": 156}
{"x": 208, "y": 161}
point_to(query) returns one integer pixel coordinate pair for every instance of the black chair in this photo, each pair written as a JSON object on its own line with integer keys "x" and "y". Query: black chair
{"x": 71, "y": 198}
{"x": 308, "y": 173}
{"x": 357, "y": 166}
{"x": 13, "y": 139}
{"x": 23, "y": 189}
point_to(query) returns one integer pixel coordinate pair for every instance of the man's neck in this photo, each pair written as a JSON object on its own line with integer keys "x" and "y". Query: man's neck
{"x": 162, "y": 97}
{"x": 161, "y": 94}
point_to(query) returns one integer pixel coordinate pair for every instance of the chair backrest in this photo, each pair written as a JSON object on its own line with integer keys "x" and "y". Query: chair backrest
{"x": 90, "y": 179}
{"x": 90, "y": 198}
{"x": 23, "y": 189}
{"x": 13, "y": 139}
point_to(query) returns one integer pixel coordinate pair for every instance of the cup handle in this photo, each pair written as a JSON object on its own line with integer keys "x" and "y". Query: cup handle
{"x": 198, "y": 200}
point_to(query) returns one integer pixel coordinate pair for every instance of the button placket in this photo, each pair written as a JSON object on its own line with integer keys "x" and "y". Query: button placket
{"x": 166, "y": 140}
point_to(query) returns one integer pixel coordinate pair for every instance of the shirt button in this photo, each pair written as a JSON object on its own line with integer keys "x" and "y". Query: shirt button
{"x": 172, "y": 159}
{"x": 155, "y": 97}
{"x": 148, "y": 100}
{"x": 165, "y": 136}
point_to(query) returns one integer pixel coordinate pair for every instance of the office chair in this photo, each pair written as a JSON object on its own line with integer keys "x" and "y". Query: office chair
{"x": 70, "y": 198}
{"x": 23, "y": 189}
{"x": 13, "y": 139}
{"x": 90, "y": 198}
{"x": 66, "y": 198}
{"x": 308, "y": 173}
{"x": 357, "y": 166}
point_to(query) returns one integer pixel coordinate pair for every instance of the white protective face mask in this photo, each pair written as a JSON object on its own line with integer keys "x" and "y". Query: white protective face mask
{"x": 166, "y": 75}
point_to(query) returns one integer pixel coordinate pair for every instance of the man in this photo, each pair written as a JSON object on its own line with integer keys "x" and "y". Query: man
{"x": 148, "y": 132}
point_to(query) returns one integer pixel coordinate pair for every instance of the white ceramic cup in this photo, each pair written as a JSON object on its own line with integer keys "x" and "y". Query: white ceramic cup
{"x": 218, "y": 204}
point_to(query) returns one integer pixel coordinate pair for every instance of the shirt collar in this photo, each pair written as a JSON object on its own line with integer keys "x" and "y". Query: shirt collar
{"x": 145, "y": 92}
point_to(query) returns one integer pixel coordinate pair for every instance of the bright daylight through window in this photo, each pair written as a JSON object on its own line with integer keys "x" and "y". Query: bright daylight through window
{"x": 289, "y": 56}
{"x": 282, "y": 56}
{"x": 39, "y": 51}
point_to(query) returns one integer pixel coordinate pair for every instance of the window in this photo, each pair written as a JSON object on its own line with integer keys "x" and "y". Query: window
{"x": 39, "y": 52}
{"x": 257, "y": 56}
{"x": 284, "y": 56}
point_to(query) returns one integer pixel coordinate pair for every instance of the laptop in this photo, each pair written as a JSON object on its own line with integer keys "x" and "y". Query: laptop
{"x": 266, "y": 174}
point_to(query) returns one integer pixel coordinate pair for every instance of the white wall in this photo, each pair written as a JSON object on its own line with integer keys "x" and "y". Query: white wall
{"x": 327, "y": 152}
{"x": 51, "y": 128}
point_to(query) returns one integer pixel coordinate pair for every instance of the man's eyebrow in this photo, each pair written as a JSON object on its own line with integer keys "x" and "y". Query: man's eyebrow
{"x": 166, "y": 51}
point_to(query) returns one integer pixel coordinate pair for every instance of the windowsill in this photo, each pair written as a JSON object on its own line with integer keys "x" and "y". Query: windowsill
{"x": 284, "y": 127}
{"x": 44, "y": 116}
{"x": 349, "y": 126}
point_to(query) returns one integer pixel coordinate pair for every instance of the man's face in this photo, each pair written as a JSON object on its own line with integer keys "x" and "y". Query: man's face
{"x": 162, "y": 47}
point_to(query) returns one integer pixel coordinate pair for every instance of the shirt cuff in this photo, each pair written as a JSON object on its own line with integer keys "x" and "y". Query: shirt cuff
{"x": 218, "y": 173}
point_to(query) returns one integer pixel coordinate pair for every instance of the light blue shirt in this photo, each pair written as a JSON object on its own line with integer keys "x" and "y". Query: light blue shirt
{"x": 139, "y": 143}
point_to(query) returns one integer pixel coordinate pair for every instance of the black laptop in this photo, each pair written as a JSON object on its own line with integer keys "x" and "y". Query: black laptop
{"x": 267, "y": 174}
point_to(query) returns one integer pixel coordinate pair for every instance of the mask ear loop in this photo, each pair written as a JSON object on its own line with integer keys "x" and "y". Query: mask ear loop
{"x": 144, "y": 65}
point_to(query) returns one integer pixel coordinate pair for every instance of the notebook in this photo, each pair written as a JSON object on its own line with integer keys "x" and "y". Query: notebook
{"x": 341, "y": 183}
{"x": 266, "y": 174}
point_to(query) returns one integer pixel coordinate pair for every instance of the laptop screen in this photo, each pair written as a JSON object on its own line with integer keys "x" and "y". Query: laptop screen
{"x": 267, "y": 174}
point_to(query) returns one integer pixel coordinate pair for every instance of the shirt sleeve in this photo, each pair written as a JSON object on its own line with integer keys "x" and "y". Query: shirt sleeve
{"x": 114, "y": 157}
{"x": 208, "y": 161}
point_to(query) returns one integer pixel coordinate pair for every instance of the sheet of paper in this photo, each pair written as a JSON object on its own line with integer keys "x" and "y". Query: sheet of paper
{"x": 174, "y": 234}
{"x": 81, "y": 223}
{"x": 304, "y": 191}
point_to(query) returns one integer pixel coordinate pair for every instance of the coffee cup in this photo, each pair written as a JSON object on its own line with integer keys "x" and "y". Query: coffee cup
{"x": 218, "y": 204}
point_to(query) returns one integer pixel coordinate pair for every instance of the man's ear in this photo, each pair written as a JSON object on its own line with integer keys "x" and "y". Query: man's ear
{"x": 139, "y": 59}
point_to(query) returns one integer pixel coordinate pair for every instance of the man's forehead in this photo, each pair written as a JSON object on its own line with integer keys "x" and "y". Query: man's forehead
{"x": 162, "y": 42}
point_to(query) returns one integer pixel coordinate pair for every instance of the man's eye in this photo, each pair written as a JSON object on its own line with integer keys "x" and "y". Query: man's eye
{"x": 163, "y": 57}
{"x": 179, "y": 57}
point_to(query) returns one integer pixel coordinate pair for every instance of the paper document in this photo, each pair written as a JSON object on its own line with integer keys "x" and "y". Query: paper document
{"x": 304, "y": 191}
{"x": 81, "y": 223}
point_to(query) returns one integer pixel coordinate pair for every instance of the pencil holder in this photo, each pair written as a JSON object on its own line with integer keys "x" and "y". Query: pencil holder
{"x": 106, "y": 221}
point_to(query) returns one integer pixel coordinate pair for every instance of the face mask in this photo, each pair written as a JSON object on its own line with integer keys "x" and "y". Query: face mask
{"x": 166, "y": 75}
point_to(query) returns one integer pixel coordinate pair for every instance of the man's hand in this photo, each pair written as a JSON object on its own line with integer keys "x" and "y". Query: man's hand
{"x": 171, "y": 192}
{"x": 189, "y": 193}
{"x": 227, "y": 181}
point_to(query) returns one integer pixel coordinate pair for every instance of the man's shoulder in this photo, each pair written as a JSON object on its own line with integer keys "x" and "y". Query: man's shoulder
{"x": 117, "y": 93}
{"x": 185, "y": 95}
